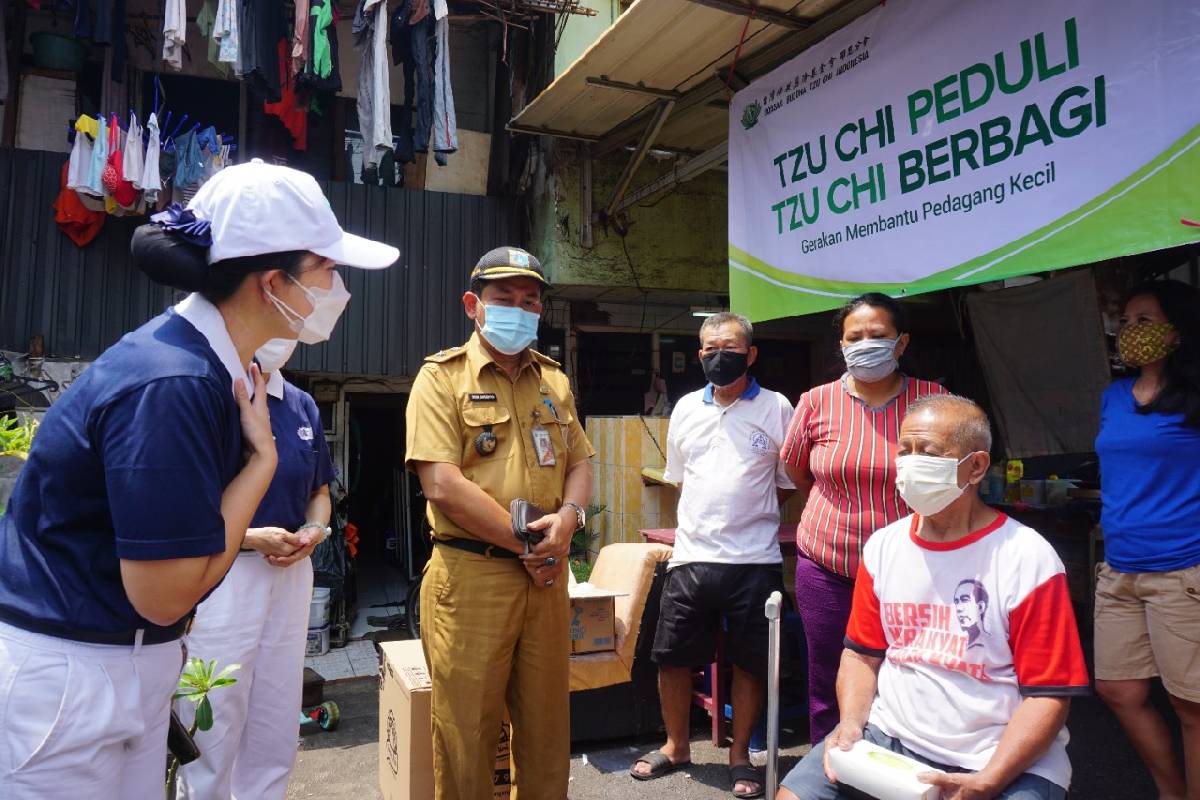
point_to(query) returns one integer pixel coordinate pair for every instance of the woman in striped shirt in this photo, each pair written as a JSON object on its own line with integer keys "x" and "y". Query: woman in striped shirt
{"x": 841, "y": 449}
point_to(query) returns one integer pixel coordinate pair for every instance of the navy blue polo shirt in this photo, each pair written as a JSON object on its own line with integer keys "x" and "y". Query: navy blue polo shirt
{"x": 130, "y": 463}
{"x": 304, "y": 463}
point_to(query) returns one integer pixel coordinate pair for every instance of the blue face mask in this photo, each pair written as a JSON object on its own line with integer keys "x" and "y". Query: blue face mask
{"x": 509, "y": 329}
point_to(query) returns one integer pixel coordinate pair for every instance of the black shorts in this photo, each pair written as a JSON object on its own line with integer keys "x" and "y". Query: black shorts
{"x": 696, "y": 596}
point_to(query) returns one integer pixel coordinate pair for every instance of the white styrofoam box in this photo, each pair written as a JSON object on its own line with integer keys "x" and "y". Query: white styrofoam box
{"x": 880, "y": 773}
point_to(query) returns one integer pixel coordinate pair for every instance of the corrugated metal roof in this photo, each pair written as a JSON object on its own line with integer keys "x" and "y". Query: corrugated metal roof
{"x": 681, "y": 46}
{"x": 83, "y": 299}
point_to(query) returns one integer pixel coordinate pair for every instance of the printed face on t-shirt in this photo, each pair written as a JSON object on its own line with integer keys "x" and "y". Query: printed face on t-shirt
{"x": 970, "y": 605}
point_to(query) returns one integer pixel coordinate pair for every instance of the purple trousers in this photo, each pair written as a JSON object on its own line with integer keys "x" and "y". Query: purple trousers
{"x": 823, "y": 599}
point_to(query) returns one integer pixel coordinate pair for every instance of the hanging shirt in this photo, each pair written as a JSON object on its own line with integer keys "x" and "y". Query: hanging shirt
{"x": 150, "y": 179}
{"x": 78, "y": 222}
{"x": 262, "y": 26}
{"x": 206, "y": 20}
{"x": 966, "y": 631}
{"x": 322, "y": 72}
{"x": 95, "y": 183}
{"x": 79, "y": 165}
{"x": 304, "y": 462}
{"x": 129, "y": 463}
{"x": 374, "y": 92}
{"x": 290, "y": 110}
{"x": 1149, "y": 485}
{"x": 134, "y": 160}
{"x": 225, "y": 31}
{"x": 174, "y": 32}
{"x": 189, "y": 165}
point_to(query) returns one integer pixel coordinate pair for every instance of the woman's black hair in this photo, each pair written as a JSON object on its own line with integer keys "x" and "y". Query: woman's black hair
{"x": 224, "y": 277}
{"x": 1180, "y": 304}
{"x": 875, "y": 300}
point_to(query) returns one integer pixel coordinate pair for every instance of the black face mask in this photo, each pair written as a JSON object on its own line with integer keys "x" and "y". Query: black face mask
{"x": 723, "y": 367}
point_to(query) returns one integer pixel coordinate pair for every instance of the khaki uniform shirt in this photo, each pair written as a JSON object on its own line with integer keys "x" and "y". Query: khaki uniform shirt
{"x": 462, "y": 393}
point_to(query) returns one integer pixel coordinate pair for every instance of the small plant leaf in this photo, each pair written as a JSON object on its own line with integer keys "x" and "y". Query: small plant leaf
{"x": 204, "y": 715}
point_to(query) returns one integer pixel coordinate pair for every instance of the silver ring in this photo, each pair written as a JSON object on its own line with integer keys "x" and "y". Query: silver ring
{"x": 550, "y": 561}
{"x": 549, "y": 582}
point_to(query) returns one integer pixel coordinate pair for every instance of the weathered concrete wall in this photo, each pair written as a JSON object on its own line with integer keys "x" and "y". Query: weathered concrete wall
{"x": 675, "y": 241}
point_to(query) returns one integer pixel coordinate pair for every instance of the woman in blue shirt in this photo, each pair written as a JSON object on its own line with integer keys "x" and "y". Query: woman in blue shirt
{"x": 258, "y": 617}
{"x": 142, "y": 481}
{"x": 1148, "y": 592}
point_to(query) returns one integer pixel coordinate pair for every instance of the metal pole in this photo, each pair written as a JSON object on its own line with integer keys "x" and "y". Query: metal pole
{"x": 772, "y": 610}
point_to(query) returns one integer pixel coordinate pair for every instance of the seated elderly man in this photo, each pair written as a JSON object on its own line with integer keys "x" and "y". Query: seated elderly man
{"x": 962, "y": 650}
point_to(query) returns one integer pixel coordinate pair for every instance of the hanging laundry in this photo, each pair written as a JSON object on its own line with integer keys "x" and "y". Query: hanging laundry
{"x": 78, "y": 222}
{"x": 262, "y": 26}
{"x": 291, "y": 111}
{"x": 108, "y": 30}
{"x": 174, "y": 32}
{"x": 3, "y": 60}
{"x": 374, "y": 93}
{"x": 420, "y": 10}
{"x": 150, "y": 180}
{"x": 299, "y": 50}
{"x": 92, "y": 192}
{"x": 206, "y": 21}
{"x": 79, "y": 165}
{"x": 445, "y": 123}
{"x": 189, "y": 165}
{"x": 133, "y": 160}
{"x": 322, "y": 72}
{"x": 115, "y": 185}
{"x": 410, "y": 48}
{"x": 225, "y": 31}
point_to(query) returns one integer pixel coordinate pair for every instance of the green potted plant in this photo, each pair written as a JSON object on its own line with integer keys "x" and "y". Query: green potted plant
{"x": 16, "y": 437}
{"x": 198, "y": 679}
{"x": 583, "y": 545}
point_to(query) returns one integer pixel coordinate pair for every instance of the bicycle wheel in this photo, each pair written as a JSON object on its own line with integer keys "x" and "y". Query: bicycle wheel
{"x": 412, "y": 609}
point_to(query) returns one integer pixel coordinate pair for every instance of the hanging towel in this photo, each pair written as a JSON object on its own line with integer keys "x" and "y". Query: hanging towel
{"x": 299, "y": 51}
{"x": 225, "y": 31}
{"x": 174, "y": 32}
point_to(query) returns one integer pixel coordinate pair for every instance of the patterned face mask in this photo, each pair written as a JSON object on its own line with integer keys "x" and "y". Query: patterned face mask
{"x": 1144, "y": 343}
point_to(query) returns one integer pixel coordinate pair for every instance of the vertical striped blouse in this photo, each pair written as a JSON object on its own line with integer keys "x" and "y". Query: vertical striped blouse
{"x": 850, "y": 449}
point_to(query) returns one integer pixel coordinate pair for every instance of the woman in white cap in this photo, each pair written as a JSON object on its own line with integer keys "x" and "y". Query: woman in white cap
{"x": 142, "y": 482}
{"x": 258, "y": 617}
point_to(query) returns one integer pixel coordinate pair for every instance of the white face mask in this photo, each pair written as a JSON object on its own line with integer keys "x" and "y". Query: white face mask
{"x": 928, "y": 484}
{"x": 274, "y": 354}
{"x": 328, "y": 305}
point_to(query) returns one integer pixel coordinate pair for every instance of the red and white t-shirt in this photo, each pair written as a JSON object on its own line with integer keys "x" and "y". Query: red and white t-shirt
{"x": 966, "y": 630}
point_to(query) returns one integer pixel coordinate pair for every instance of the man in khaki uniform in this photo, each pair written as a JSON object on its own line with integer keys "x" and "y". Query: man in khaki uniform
{"x": 487, "y": 423}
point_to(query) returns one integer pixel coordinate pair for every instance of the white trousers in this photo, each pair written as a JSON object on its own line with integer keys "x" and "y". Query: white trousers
{"x": 258, "y": 617}
{"x": 83, "y": 720}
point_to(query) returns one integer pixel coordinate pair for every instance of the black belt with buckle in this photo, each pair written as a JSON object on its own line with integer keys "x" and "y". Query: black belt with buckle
{"x": 151, "y": 634}
{"x": 477, "y": 547}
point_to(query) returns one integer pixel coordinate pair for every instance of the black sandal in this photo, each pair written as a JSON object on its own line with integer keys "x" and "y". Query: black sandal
{"x": 659, "y": 764}
{"x": 746, "y": 773}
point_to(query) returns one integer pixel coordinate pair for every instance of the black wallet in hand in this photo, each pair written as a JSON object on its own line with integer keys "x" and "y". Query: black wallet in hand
{"x": 524, "y": 512}
{"x": 179, "y": 742}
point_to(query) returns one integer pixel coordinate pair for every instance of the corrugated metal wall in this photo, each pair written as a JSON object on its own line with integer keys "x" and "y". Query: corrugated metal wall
{"x": 83, "y": 300}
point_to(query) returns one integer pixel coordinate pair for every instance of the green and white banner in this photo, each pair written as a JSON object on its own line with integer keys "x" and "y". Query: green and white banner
{"x": 939, "y": 143}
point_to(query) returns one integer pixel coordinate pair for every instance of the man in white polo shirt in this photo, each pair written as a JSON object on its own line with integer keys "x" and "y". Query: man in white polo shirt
{"x": 723, "y": 451}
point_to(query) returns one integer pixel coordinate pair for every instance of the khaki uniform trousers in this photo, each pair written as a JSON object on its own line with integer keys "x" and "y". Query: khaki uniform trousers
{"x": 493, "y": 639}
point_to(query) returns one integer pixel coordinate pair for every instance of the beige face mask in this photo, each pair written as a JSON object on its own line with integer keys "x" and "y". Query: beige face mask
{"x": 1144, "y": 343}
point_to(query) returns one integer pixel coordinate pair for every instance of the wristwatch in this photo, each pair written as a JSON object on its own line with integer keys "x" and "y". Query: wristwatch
{"x": 580, "y": 514}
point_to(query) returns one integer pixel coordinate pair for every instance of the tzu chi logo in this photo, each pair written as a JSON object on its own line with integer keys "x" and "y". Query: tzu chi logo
{"x": 750, "y": 115}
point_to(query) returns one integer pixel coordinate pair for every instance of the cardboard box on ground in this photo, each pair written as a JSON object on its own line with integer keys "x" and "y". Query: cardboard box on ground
{"x": 405, "y": 743}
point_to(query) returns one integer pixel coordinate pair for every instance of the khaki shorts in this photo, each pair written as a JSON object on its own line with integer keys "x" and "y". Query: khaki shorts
{"x": 1148, "y": 625}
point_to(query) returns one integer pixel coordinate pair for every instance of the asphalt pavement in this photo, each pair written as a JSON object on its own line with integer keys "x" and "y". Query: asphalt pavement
{"x": 343, "y": 764}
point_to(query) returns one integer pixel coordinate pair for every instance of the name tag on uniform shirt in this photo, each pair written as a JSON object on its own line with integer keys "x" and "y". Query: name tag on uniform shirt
{"x": 543, "y": 445}
{"x": 482, "y": 397}
{"x": 305, "y": 432}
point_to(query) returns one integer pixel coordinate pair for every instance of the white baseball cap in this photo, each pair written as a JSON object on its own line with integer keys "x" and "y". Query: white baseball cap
{"x": 259, "y": 208}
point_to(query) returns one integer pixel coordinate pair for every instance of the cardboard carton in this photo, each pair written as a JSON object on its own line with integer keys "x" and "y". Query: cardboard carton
{"x": 405, "y": 740}
{"x": 593, "y": 619}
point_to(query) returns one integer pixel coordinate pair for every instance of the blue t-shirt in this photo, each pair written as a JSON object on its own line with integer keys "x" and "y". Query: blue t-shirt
{"x": 130, "y": 463}
{"x": 1149, "y": 484}
{"x": 304, "y": 464}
